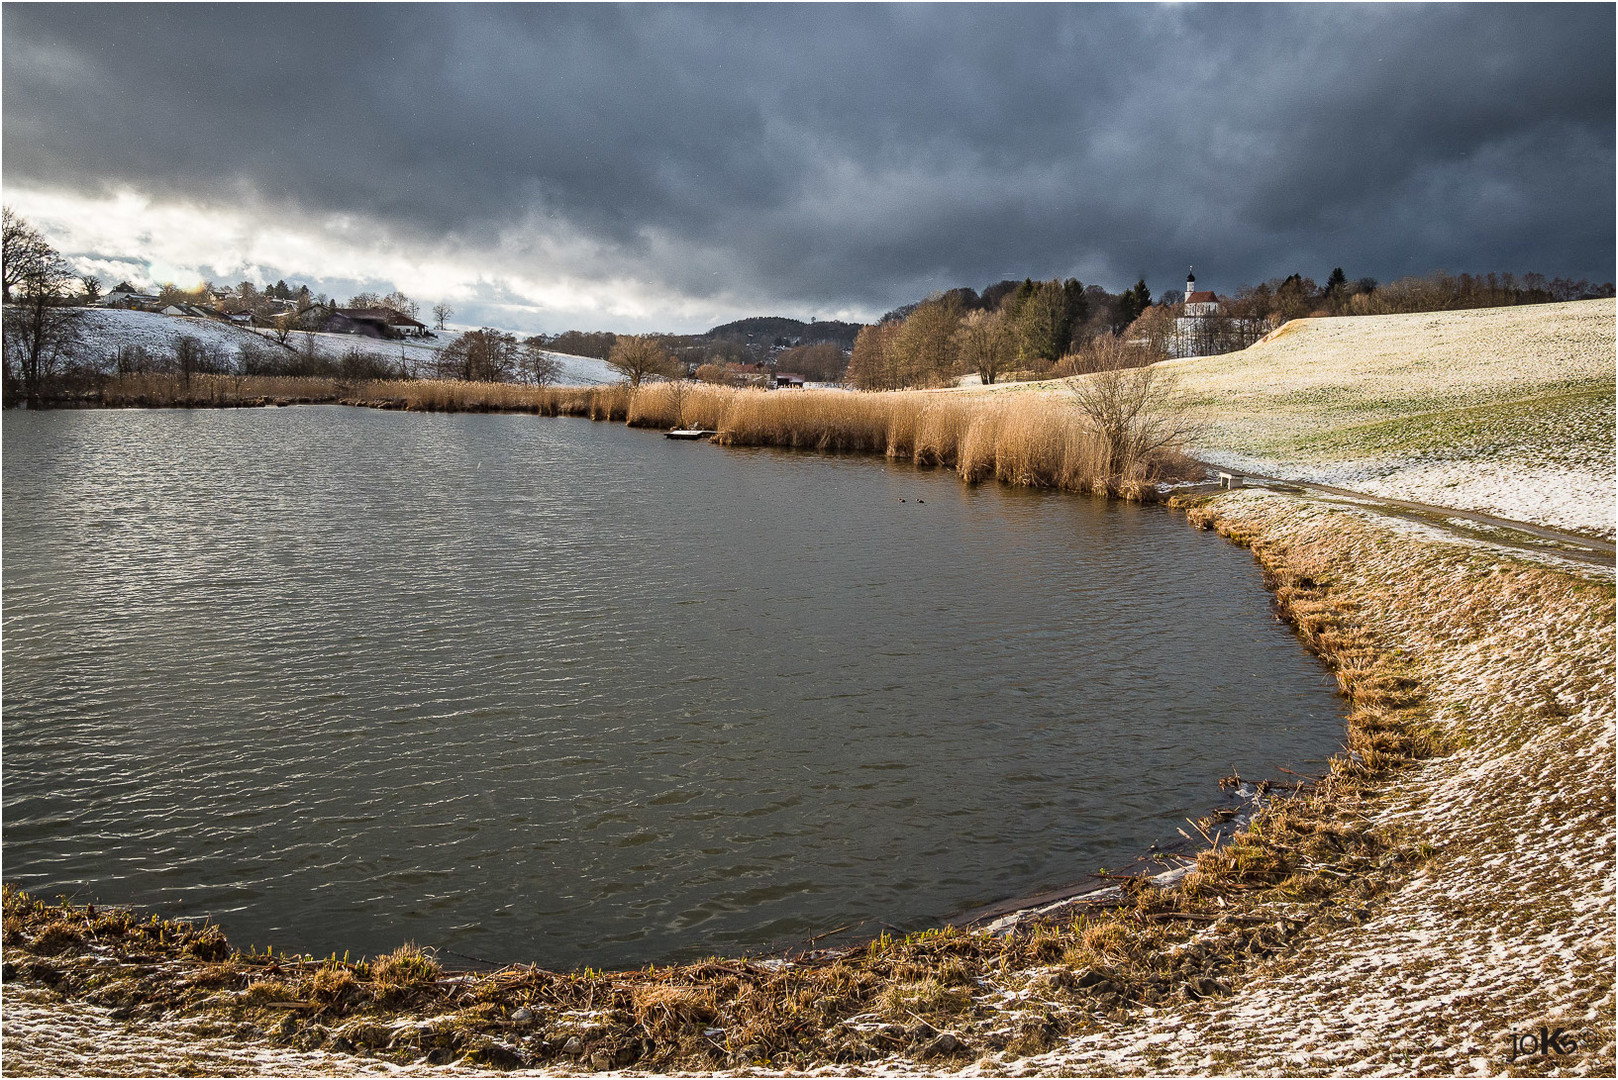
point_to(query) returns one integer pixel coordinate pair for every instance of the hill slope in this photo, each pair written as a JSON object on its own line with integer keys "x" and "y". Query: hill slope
{"x": 105, "y": 331}
{"x": 1505, "y": 411}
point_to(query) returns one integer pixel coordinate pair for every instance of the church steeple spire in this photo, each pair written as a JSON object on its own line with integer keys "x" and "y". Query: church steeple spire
{"x": 1190, "y": 282}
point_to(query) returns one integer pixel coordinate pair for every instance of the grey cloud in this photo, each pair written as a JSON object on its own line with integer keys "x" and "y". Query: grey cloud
{"x": 825, "y": 156}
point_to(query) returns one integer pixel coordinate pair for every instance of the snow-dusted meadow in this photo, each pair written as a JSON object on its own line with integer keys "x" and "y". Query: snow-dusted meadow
{"x": 1507, "y": 411}
{"x": 107, "y": 330}
{"x": 1503, "y": 411}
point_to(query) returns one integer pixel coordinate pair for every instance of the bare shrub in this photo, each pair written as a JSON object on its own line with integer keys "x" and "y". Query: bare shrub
{"x": 1135, "y": 409}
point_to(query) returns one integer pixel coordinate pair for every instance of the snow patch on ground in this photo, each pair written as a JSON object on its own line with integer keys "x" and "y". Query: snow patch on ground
{"x": 107, "y": 329}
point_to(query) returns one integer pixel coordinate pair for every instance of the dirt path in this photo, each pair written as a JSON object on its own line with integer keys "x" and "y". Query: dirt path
{"x": 1500, "y": 531}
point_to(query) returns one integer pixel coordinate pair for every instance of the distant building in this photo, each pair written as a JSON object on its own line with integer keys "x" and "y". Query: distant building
{"x": 373, "y": 322}
{"x": 125, "y": 296}
{"x": 1199, "y": 304}
{"x": 784, "y": 379}
{"x": 1206, "y": 326}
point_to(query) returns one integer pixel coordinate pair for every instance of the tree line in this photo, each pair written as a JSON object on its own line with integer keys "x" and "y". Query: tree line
{"x": 1031, "y": 327}
{"x": 1255, "y": 310}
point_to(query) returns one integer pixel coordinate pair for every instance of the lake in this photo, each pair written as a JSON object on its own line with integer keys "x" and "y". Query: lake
{"x": 568, "y": 693}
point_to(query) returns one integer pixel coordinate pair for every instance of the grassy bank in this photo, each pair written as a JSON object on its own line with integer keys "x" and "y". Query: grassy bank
{"x": 1430, "y": 645}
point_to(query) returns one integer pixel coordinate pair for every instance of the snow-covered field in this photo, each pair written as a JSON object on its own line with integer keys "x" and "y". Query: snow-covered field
{"x": 1507, "y": 411}
{"x": 107, "y": 330}
{"x": 1504, "y": 411}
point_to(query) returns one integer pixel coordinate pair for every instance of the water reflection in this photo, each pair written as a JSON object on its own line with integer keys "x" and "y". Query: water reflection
{"x": 556, "y": 691}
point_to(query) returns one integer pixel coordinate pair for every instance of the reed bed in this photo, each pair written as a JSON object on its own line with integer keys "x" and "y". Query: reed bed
{"x": 683, "y": 405}
{"x": 1027, "y": 441}
{"x": 453, "y": 395}
{"x": 1024, "y": 441}
{"x": 214, "y": 391}
{"x": 421, "y": 395}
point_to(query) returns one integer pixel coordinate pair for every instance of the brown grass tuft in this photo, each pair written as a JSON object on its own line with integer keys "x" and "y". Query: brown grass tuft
{"x": 403, "y": 971}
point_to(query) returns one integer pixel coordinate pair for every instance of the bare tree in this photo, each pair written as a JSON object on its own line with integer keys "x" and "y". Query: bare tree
{"x": 21, "y": 248}
{"x": 872, "y": 365}
{"x": 537, "y": 365}
{"x": 924, "y": 348}
{"x": 398, "y": 301}
{"x": 309, "y": 361}
{"x": 281, "y": 326}
{"x": 485, "y": 355}
{"x": 637, "y": 356}
{"x": 441, "y": 312}
{"x": 1135, "y": 408}
{"x": 984, "y": 343}
{"x": 822, "y": 362}
{"x": 41, "y": 332}
{"x": 1153, "y": 332}
{"x": 193, "y": 357}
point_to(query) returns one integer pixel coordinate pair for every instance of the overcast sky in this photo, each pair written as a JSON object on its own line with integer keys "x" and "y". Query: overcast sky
{"x": 673, "y": 167}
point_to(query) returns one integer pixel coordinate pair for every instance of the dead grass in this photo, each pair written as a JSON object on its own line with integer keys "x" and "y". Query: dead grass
{"x": 688, "y": 405}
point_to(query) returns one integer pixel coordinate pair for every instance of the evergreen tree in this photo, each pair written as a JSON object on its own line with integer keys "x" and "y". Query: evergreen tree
{"x": 1078, "y": 304}
{"x": 1132, "y": 303}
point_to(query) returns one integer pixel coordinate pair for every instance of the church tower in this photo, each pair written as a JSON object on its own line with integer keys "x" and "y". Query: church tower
{"x": 1190, "y": 282}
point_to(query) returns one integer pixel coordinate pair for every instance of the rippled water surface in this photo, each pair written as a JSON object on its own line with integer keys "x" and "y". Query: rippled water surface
{"x": 547, "y": 690}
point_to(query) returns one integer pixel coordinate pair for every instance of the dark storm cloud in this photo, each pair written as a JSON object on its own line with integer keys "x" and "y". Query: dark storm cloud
{"x": 820, "y": 155}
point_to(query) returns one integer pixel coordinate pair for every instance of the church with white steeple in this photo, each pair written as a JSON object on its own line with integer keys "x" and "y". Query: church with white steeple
{"x": 1198, "y": 304}
{"x": 1200, "y": 330}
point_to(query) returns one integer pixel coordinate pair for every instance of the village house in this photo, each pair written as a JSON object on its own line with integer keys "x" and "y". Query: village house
{"x": 125, "y": 295}
{"x": 376, "y": 322}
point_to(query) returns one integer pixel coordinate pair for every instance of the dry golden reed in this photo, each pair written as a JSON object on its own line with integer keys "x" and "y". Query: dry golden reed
{"x": 682, "y": 405}
{"x": 212, "y": 391}
{"x": 1026, "y": 441}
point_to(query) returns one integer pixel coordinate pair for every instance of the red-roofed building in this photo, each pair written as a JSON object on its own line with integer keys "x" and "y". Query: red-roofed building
{"x": 1198, "y": 302}
{"x": 1205, "y": 328}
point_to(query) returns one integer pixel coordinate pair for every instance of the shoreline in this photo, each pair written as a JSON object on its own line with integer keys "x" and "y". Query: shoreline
{"x": 1478, "y": 685}
{"x": 1188, "y": 952}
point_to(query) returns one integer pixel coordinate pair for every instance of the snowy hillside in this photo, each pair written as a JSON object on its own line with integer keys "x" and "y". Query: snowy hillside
{"x": 576, "y": 370}
{"x": 108, "y": 330}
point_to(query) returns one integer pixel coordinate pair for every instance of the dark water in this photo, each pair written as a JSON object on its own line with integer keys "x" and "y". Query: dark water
{"x": 548, "y": 690}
